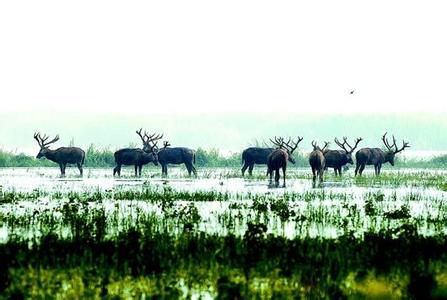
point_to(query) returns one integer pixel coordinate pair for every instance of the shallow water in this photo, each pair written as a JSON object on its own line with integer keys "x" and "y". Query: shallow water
{"x": 336, "y": 207}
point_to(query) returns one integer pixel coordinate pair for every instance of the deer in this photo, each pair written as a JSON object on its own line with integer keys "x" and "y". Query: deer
{"x": 317, "y": 161}
{"x": 338, "y": 158}
{"x": 138, "y": 157}
{"x": 279, "y": 157}
{"x": 377, "y": 157}
{"x": 62, "y": 155}
{"x": 256, "y": 155}
{"x": 176, "y": 156}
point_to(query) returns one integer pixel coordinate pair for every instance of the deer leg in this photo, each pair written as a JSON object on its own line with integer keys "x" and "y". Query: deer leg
{"x": 191, "y": 168}
{"x": 277, "y": 176}
{"x": 284, "y": 176}
{"x": 80, "y": 169}
{"x": 136, "y": 169}
{"x": 357, "y": 166}
{"x": 313, "y": 175}
{"x": 244, "y": 168}
{"x": 379, "y": 168}
{"x": 250, "y": 169}
{"x": 362, "y": 167}
{"x": 140, "y": 167}
{"x": 321, "y": 172}
{"x": 188, "y": 168}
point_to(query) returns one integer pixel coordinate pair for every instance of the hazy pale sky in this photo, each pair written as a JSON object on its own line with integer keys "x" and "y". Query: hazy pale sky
{"x": 223, "y": 56}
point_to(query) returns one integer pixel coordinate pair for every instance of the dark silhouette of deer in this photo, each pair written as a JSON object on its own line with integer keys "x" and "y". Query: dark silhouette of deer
{"x": 376, "y": 156}
{"x": 254, "y": 155}
{"x": 278, "y": 158}
{"x": 137, "y": 157}
{"x": 317, "y": 161}
{"x": 338, "y": 158}
{"x": 176, "y": 156}
{"x": 62, "y": 156}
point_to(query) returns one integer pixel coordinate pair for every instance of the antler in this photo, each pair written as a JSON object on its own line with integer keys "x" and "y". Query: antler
{"x": 387, "y": 144}
{"x": 56, "y": 138}
{"x": 294, "y": 146}
{"x": 357, "y": 141}
{"x": 404, "y": 145}
{"x": 141, "y": 136}
{"x": 166, "y": 144}
{"x": 153, "y": 137}
{"x": 315, "y": 145}
{"x": 279, "y": 142}
{"x": 38, "y": 139}
{"x": 345, "y": 142}
{"x": 341, "y": 145}
{"x": 42, "y": 141}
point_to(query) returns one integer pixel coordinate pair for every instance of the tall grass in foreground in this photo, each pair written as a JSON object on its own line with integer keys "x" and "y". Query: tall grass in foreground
{"x": 142, "y": 262}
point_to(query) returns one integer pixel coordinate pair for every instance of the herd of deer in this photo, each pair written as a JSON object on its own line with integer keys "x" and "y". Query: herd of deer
{"x": 275, "y": 158}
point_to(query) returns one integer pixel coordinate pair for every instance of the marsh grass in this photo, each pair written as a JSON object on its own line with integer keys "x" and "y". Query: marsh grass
{"x": 355, "y": 237}
{"x": 254, "y": 264}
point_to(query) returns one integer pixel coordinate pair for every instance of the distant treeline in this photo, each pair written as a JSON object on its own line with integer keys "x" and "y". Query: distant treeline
{"x": 103, "y": 158}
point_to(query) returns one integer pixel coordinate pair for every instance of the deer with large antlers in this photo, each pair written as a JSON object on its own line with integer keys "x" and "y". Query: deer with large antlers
{"x": 257, "y": 155}
{"x": 338, "y": 158}
{"x": 138, "y": 157}
{"x": 176, "y": 155}
{"x": 377, "y": 157}
{"x": 317, "y": 161}
{"x": 61, "y": 156}
{"x": 278, "y": 158}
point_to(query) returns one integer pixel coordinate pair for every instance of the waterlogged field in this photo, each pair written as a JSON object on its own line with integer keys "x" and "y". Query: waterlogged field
{"x": 220, "y": 235}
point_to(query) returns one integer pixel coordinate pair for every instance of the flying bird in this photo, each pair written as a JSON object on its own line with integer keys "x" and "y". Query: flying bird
{"x": 352, "y": 92}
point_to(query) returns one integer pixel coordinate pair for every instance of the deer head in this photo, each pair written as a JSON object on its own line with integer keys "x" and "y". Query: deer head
{"x": 392, "y": 149}
{"x": 317, "y": 148}
{"x": 149, "y": 141}
{"x": 288, "y": 146}
{"x": 43, "y": 144}
{"x": 347, "y": 148}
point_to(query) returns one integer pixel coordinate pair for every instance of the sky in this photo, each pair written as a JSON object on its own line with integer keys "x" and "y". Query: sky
{"x": 187, "y": 57}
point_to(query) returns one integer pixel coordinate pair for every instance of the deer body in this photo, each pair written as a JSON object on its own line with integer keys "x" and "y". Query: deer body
{"x": 61, "y": 156}
{"x": 255, "y": 155}
{"x": 279, "y": 157}
{"x": 338, "y": 158}
{"x": 176, "y": 156}
{"x": 277, "y": 160}
{"x": 317, "y": 162}
{"x": 377, "y": 157}
{"x": 133, "y": 156}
